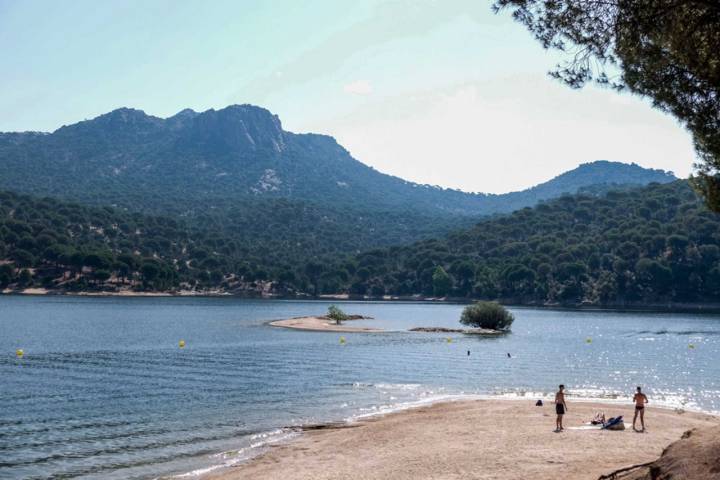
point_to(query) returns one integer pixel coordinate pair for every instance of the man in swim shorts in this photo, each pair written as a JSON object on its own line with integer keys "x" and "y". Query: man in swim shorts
{"x": 560, "y": 408}
{"x": 640, "y": 400}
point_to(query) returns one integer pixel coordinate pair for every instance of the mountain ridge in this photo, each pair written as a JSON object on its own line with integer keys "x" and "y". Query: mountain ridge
{"x": 234, "y": 153}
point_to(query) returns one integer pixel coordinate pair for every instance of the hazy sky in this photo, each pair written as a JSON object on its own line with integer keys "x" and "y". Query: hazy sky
{"x": 440, "y": 92}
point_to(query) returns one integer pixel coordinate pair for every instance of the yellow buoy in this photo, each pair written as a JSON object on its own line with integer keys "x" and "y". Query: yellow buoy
{"x": 342, "y": 339}
{"x": 181, "y": 343}
{"x": 449, "y": 340}
{"x": 691, "y": 346}
{"x": 588, "y": 340}
{"x": 19, "y": 352}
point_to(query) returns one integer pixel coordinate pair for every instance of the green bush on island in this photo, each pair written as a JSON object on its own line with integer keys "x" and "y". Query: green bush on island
{"x": 334, "y": 313}
{"x": 490, "y": 315}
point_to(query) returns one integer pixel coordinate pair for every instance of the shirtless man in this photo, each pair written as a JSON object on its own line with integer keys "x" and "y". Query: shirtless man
{"x": 640, "y": 400}
{"x": 560, "y": 408}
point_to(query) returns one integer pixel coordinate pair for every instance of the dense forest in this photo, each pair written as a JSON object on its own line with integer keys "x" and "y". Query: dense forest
{"x": 54, "y": 244}
{"x": 650, "y": 245}
{"x": 647, "y": 245}
{"x": 46, "y": 243}
{"x": 51, "y": 244}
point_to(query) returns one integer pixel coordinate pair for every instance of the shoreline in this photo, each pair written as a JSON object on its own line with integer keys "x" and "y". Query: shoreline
{"x": 493, "y": 432}
{"x": 709, "y": 308}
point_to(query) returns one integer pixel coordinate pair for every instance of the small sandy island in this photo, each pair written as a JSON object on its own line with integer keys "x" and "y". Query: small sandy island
{"x": 482, "y": 439}
{"x": 325, "y": 324}
{"x": 321, "y": 324}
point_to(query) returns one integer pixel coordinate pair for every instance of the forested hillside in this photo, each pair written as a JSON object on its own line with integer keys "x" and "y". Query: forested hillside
{"x": 647, "y": 245}
{"x": 654, "y": 244}
{"x": 60, "y": 245}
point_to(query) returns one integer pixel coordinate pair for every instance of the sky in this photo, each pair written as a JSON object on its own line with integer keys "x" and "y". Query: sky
{"x": 439, "y": 92}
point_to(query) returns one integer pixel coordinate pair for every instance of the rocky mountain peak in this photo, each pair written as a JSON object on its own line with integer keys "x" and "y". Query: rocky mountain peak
{"x": 238, "y": 127}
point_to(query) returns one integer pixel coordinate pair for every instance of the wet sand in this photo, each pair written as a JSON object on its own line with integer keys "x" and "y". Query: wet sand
{"x": 478, "y": 439}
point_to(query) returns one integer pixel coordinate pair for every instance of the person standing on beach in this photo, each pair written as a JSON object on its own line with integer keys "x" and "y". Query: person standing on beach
{"x": 640, "y": 400}
{"x": 560, "y": 408}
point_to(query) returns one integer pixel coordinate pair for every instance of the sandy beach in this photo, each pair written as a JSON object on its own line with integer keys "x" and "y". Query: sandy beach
{"x": 320, "y": 324}
{"x": 478, "y": 439}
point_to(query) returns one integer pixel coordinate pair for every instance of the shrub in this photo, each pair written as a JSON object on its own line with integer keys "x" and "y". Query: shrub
{"x": 334, "y": 313}
{"x": 490, "y": 315}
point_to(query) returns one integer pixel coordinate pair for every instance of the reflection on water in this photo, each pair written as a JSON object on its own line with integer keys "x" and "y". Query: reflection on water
{"x": 103, "y": 390}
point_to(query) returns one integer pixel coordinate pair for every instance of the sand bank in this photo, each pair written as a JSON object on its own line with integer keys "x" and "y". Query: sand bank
{"x": 483, "y": 439}
{"x": 320, "y": 324}
{"x": 123, "y": 293}
{"x": 466, "y": 331}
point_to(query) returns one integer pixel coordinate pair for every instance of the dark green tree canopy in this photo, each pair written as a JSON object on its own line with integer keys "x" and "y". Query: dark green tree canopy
{"x": 666, "y": 50}
{"x": 653, "y": 245}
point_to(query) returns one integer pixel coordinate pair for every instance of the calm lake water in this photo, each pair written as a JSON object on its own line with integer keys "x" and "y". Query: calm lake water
{"x": 104, "y": 391}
